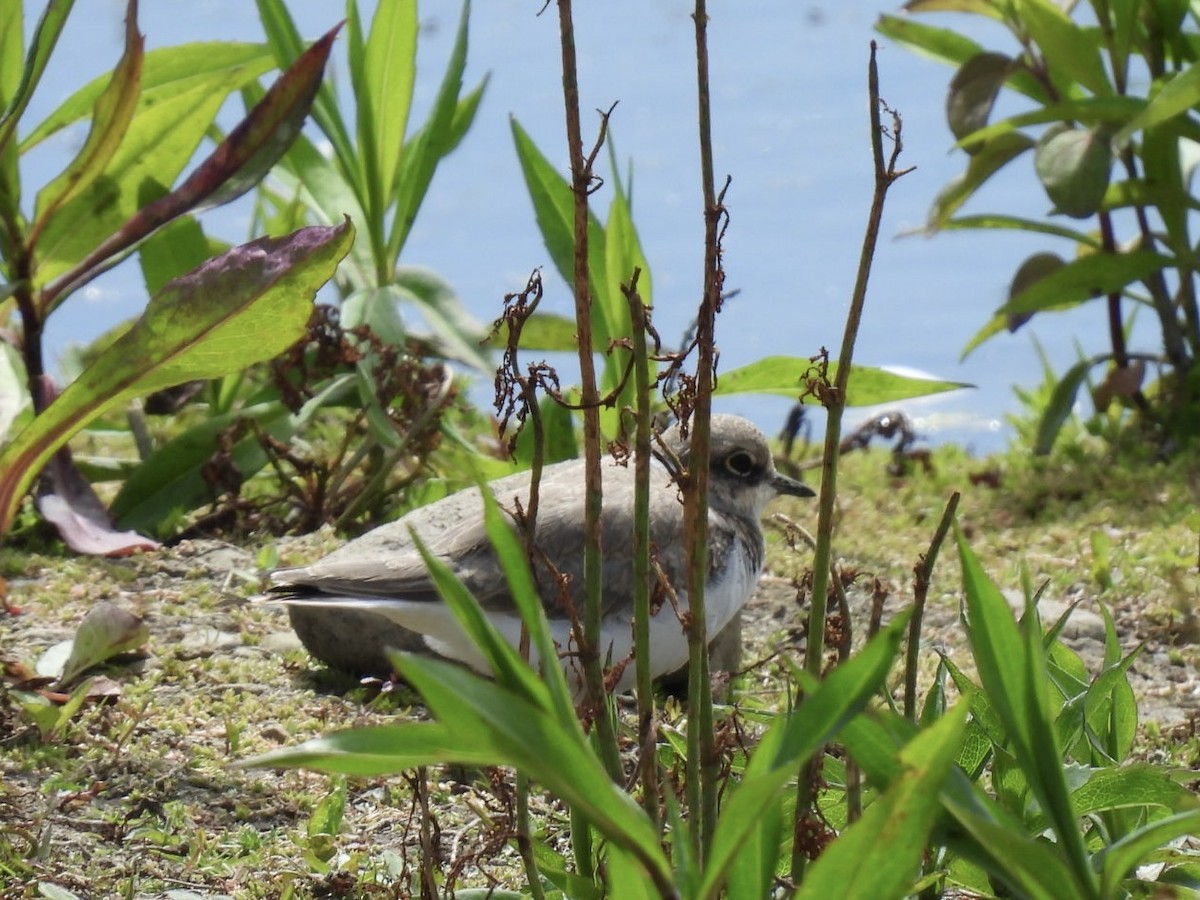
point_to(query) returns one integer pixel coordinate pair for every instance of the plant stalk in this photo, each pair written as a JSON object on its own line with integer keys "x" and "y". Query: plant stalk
{"x": 702, "y": 761}
{"x": 589, "y": 651}
{"x": 835, "y": 404}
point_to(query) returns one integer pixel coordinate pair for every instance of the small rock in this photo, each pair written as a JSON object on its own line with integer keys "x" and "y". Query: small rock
{"x": 281, "y": 642}
{"x": 205, "y": 641}
{"x": 1082, "y": 623}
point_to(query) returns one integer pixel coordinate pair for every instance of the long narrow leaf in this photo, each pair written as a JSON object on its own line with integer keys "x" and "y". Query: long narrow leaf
{"x": 380, "y": 750}
{"x": 436, "y": 138}
{"x": 830, "y": 706}
{"x": 530, "y": 738}
{"x": 111, "y": 116}
{"x": 880, "y": 854}
{"x": 45, "y": 36}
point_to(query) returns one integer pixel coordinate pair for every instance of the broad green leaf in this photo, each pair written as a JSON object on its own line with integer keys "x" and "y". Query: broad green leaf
{"x": 554, "y": 208}
{"x": 626, "y": 877}
{"x": 323, "y": 188}
{"x": 1073, "y": 165}
{"x": 1033, "y": 269}
{"x": 1119, "y": 858}
{"x": 880, "y": 854}
{"x": 437, "y": 137}
{"x": 1085, "y": 111}
{"x": 45, "y": 36}
{"x": 12, "y": 49}
{"x": 1138, "y": 784}
{"x": 242, "y": 307}
{"x": 166, "y": 72}
{"x": 1084, "y": 278}
{"x": 987, "y": 8}
{"x": 990, "y": 157}
{"x": 379, "y": 750}
{"x": 973, "y": 91}
{"x": 454, "y": 333}
{"x": 1178, "y": 95}
{"x": 622, "y": 254}
{"x": 867, "y": 386}
{"x": 546, "y": 332}
{"x": 1066, "y": 47}
{"x": 111, "y": 116}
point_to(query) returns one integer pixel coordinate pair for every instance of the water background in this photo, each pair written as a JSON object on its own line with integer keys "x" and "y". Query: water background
{"x": 791, "y": 129}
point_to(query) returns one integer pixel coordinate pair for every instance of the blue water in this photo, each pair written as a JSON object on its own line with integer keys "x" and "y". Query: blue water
{"x": 790, "y": 117}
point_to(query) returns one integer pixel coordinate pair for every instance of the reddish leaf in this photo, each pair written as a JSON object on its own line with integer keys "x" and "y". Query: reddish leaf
{"x": 67, "y": 501}
{"x": 236, "y": 165}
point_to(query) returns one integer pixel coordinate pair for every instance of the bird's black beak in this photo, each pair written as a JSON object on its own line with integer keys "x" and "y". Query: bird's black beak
{"x": 790, "y": 486}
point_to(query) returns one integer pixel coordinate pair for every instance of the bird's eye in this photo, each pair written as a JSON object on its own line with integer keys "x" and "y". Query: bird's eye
{"x": 740, "y": 463}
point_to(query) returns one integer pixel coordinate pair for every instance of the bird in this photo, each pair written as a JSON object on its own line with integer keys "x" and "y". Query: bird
{"x": 382, "y": 572}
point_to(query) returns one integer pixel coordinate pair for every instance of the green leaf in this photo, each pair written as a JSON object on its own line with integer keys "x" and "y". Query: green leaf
{"x": 174, "y": 249}
{"x": 166, "y": 72}
{"x": 973, "y": 91}
{"x": 532, "y": 738}
{"x": 1073, "y": 165}
{"x": 880, "y": 854}
{"x": 1118, "y": 859}
{"x": 383, "y": 78}
{"x": 793, "y": 739}
{"x": 989, "y": 158}
{"x": 454, "y": 332}
{"x": 1066, "y": 47}
{"x": 45, "y": 36}
{"x": 379, "y": 750}
{"x": 547, "y": 332}
{"x": 1084, "y": 278}
{"x": 1058, "y": 408}
{"x": 106, "y": 631}
{"x": 437, "y": 137}
{"x": 286, "y": 46}
{"x": 242, "y": 307}
{"x": 1176, "y": 96}
{"x": 160, "y": 140}
{"x": 111, "y": 116}
{"x": 867, "y": 386}
{"x": 554, "y": 208}
{"x": 1135, "y": 785}
{"x": 948, "y": 46}
{"x": 1016, "y": 223}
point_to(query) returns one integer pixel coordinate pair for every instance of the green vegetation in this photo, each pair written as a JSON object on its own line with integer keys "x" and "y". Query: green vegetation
{"x": 1106, "y": 94}
{"x": 845, "y": 762}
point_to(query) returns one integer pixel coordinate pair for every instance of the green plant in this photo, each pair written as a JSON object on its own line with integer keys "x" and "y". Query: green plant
{"x": 1106, "y": 93}
{"x": 361, "y": 365}
{"x": 147, "y": 119}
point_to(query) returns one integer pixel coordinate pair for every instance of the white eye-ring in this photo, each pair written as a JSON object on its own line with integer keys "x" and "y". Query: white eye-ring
{"x": 740, "y": 463}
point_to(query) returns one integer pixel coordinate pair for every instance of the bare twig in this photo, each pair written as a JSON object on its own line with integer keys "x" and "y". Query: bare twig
{"x": 922, "y": 574}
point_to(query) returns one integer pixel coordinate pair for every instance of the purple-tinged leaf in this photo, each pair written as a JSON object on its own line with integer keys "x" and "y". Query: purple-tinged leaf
{"x": 111, "y": 116}
{"x": 242, "y": 307}
{"x": 236, "y": 165}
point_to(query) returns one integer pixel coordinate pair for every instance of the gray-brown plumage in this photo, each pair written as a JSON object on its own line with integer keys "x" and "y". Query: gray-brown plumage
{"x": 382, "y": 572}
